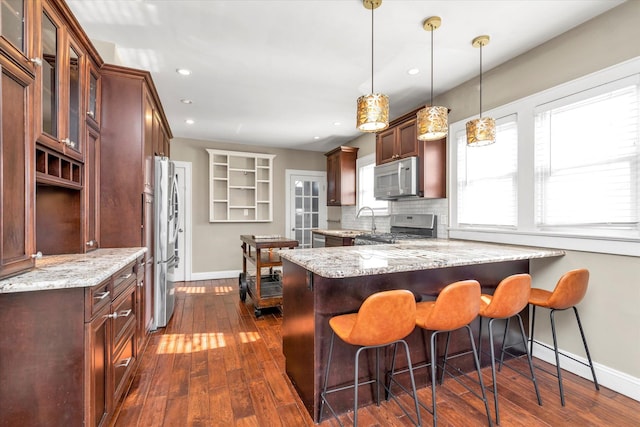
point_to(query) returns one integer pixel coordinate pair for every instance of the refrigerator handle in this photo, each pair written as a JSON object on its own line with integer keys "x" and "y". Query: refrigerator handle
{"x": 176, "y": 213}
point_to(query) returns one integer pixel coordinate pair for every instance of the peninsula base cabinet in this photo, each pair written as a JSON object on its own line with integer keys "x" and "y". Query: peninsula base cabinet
{"x": 69, "y": 354}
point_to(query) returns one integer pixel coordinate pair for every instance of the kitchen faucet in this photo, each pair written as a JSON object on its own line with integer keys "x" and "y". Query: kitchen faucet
{"x": 373, "y": 218}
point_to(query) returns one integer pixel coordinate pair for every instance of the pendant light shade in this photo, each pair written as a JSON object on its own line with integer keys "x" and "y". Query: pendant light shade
{"x": 432, "y": 121}
{"x": 373, "y": 112}
{"x": 481, "y": 131}
{"x": 373, "y": 109}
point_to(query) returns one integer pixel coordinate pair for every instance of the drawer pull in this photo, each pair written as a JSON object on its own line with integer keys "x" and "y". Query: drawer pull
{"x": 101, "y": 295}
{"x": 126, "y": 276}
{"x": 125, "y": 313}
{"x": 124, "y": 363}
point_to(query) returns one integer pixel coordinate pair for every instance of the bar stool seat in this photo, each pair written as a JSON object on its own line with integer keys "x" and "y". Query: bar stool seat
{"x": 456, "y": 307}
{"x": 509, "y": 299}
{"x": 384, "y": 318}
{"x": 569, "y": 291}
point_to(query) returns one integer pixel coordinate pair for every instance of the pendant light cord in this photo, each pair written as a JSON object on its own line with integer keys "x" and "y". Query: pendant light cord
{"x": 372, "y": 50}
{"x": 432, "y": 30}
{"x": 481, "y": 44}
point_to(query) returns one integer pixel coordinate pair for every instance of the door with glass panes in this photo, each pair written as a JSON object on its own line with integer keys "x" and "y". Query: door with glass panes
{"x": 307, "y": 201}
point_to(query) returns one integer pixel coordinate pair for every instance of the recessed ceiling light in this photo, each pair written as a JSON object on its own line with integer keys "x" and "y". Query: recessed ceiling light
{"x": 186, "y": 101}
{"x": 337, "y": 123}
{"x": 316, "y": 137}
{"x": 183, "y": 71}
{"x": 189, "y": 121}
{"x": 413, "y": 71}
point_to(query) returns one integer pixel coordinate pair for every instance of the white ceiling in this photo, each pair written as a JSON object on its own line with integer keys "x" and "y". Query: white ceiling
{"x": 279, "y": 73}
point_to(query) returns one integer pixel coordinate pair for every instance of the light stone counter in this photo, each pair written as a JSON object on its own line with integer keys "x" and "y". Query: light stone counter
{"x": 409, "y": 255}
{"x": 71, "y": 270}
{"x": 340, "y": 233}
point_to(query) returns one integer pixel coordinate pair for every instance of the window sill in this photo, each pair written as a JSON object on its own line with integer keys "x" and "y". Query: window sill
{"x": 628, "y": 247}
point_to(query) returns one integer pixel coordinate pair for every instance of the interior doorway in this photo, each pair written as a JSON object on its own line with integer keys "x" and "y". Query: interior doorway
{"x": 182, "y": 272}
{"x": 306, "y": 204}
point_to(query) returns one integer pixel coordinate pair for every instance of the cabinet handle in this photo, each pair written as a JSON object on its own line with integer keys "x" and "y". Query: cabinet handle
{"x": 126, "y": 276}
{"x": 101, "y": 295}
{"x": 91, "y": 243}
{"x": 111, "y": 316}
{"x": 90, "y": 113}
{"x": 125, "y": 313}
{"x": 36, "y": 61}
{"x": 68, "y": 142}
{"x": 37, "y": 255}
{"x": 141, "y": 283}
{"x": 124, "y": 363}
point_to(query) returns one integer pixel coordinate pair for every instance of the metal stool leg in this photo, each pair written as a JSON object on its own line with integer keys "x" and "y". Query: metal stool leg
{"x": 555, "y": 350}
{"x": 477, "y": 363}
{"x": 533, "y": 325}
{"x": 493, "y": 371}
{"x": 524, "y": 342}
{"x": 326, "y": 377}
{"x": 586, "y": 349}
{"x": 434, "y": 358}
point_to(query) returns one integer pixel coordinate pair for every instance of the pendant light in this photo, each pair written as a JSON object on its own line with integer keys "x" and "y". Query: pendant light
{"x": 373, "y": 109}
{"x": 432, "y": 120}
{"x": 481, "y": 131}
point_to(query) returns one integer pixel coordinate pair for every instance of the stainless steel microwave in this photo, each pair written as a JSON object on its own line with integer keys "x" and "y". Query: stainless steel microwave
{"x": 397, "y": 179}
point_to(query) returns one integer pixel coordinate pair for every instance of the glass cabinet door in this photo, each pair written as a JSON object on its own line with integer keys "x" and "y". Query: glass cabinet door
{"x": 49, "y": 76}
{"x": 12, "y": 24}
{"x": 93, "y": 96}
{"x": 73, "y": 139}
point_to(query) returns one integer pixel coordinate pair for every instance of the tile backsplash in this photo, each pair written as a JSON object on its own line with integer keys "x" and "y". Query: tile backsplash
{"x": 438, "y": 207}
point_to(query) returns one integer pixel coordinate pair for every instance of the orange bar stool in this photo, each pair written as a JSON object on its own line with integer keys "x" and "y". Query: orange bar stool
{"x": 384, "y": 318}
{"x": 569, "y": 291}
{"x": 455, "y": 308}
{"x": 509, "y": 299}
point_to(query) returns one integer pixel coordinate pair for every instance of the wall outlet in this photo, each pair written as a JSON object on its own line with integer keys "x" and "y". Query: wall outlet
{"x": 444, "y": 219}
{"x": 246, "y": 212}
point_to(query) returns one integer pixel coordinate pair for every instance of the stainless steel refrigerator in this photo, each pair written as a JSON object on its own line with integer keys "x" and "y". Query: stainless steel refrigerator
{"x": 167, "y": 226}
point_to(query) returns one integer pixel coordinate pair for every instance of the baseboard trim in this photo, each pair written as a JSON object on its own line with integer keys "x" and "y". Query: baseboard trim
{"x": 210, "y": 275}
{"x": 617, "y": 381}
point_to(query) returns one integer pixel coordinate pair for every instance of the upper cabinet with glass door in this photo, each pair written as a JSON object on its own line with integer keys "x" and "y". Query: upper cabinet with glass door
{"x": 93, "y": 96}
{"x": 60, "y": 80}
{"x": 16, "y": 23}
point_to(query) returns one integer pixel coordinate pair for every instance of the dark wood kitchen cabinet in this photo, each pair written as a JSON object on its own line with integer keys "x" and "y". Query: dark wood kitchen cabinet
{"x": 129, "y": 105}
{"x": 397, "y": 142}
{"x": 341, "y": 176}
{"x": 70, "y": 353}
{"x": 334, "y": 241}
{"x": 400, "y": 140}
{"x": 17, "y": 232}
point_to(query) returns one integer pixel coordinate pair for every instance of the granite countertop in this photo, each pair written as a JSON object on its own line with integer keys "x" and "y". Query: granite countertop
{"x": 71, "y": 270}
{"x": 340, "y": 233}
{"x": 409, "y": 255}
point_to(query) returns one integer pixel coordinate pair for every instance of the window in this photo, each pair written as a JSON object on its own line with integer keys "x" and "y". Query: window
{"x": 365, "y": 167}
{"x": 487, "y": 178}
{"x": 564, "y": 171}
{"x": 586, "y": 161}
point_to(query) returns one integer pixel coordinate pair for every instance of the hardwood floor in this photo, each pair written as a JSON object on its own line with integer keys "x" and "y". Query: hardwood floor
{"x": 217, "y": 365}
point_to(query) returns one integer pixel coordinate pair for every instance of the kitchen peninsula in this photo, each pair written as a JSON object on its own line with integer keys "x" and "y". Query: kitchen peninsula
{"x": 321, "y": 283}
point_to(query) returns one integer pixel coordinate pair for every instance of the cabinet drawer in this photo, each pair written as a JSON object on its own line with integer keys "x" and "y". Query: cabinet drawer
{"x": 123, "y": 313}
{"x": 96, "y": 298}
{"x": 123, "y": 278}
{"x": 123, "y": 362}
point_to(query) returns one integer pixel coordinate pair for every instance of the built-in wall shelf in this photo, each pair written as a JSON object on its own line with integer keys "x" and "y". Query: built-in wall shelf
{"x": 56, "y": 169}
{"x": 240, "y": 186}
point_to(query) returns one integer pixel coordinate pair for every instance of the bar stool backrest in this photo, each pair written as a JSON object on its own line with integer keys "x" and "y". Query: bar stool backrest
{"x": 510, "y": 297}
{"x": 456, "y": 306}
{"x": 384, "y": 317}
{"x": 570, "y": 289}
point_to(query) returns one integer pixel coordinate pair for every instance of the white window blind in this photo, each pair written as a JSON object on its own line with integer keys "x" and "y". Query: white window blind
{"x": 365, "y": 167}
{"x": 586, "y": 161}
{"x": 487, "y": 178}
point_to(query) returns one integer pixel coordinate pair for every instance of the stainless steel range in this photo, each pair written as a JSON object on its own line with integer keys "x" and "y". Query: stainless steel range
{"x": 403, "y": 227}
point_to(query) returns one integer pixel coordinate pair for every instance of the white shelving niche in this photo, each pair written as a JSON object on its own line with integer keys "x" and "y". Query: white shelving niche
{"x": 240, "y": 186}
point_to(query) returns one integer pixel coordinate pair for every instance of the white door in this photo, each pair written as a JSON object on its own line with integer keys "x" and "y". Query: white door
{"x": 183, "y": 177}
{"x": 306, "y": 204}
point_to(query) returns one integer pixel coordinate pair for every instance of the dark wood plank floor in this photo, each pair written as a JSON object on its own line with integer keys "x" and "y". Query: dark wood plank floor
{"x": 217, "y": 365}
